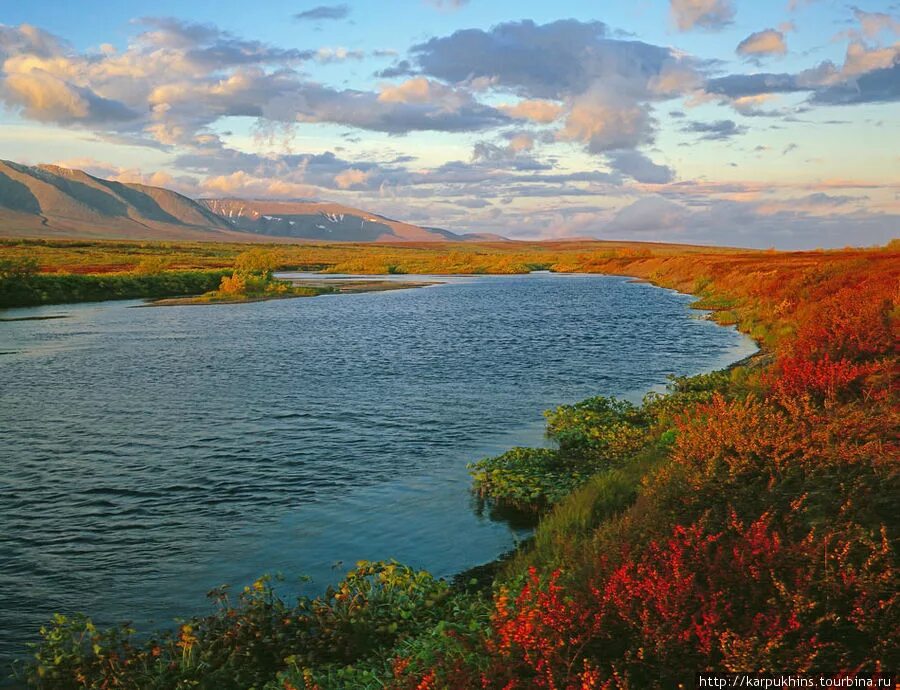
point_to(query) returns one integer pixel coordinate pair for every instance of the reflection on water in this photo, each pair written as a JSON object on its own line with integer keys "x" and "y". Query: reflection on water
{"x": 151, "y": 454}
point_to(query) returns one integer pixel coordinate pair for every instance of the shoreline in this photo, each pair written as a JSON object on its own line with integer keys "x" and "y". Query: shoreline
{"x": 481, "y": 576}
{"x": 314, "y": 289}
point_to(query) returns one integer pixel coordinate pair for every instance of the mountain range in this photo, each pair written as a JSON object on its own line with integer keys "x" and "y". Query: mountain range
{"x": 52, "y": 201}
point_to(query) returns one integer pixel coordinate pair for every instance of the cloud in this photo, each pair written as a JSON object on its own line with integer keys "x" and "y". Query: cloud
{"x": 542, "y": 61}
{"x": 189, "y": 46}
{"x": 48, "y": 98}
{"x": 675, "y": 78}
{"x": 353, "y": 177}
{"x": 242, "y": 184}
{"x": 640, "y": 168}
{"x": 546, "y": 61}
{"x": 514, "y": 156}
{"x": 401, "y": 69}
{"x": 877, "y": 86}
{"x": 861, "y": 58}
{"x": 714, "y": 131}
{"x": 29, "y": 39}
{"x": 178, "y": 78}
{"x": 706, "y": 14}
{"x": 869, "y": 73}
{"x": 425, "y": 91}
{"x": 367, "y": 110}
{"x": 763, "y": 43}
{"x": 521, "y": 141}
{"x": 536, "y": 110}
{"x": 749, "y": 106}
{"x": 740, "y": 85}
{"x": 447, "y": 4}
{"x": 794, "y": 5}
{"x": 873, "y": 23}
{"x": 650, "y": 213}
{"x": 92, "y": 166}
{"x": 600, "y": 87}
{"x": 324, "y": 13}
{"x": 605, "y": 119}
{"x": 328, "y": 55}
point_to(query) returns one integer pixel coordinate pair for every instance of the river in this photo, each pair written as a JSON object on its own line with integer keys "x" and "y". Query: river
{"x": 149, "y": 455}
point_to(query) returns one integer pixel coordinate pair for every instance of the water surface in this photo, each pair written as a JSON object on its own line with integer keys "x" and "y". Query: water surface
{"x": 149, "y": 455}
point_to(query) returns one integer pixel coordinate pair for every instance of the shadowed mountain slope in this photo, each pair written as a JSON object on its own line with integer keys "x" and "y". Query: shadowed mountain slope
{"x": 325, "y": 221}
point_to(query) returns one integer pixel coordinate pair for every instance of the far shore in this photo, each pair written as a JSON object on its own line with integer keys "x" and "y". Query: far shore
{"x": 299, "y": 288}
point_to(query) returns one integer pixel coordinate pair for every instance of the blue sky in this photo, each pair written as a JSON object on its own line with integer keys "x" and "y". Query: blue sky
{"x": 755, "y": 124}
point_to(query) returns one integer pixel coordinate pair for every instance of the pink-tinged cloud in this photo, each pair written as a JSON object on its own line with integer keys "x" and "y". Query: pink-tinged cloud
{"x": 604, "y": 119}
{"x": 873, "y": 23}
{"x": 348, "y": 179}
{"x": 417, "y": 90}
{"x": 762, "y": 43}
{"x": 535, "y": 110}
{"x": 240, "y": 183}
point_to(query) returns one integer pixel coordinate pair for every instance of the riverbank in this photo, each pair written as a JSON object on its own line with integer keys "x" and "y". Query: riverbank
{"x": 37, "y": 289}
{"x": 297, "y": 288}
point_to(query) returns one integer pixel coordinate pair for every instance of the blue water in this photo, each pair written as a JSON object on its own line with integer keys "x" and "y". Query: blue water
{"x": 150, "y": 454}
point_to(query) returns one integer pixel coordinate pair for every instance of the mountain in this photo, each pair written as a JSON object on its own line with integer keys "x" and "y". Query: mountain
{"x": 326, "y": 221}
{"x": 51, "y": 201}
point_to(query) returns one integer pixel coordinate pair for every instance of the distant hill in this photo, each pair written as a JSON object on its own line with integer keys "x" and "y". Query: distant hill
{"x": 51, "y": 201}
{"x": 325, "y": 221}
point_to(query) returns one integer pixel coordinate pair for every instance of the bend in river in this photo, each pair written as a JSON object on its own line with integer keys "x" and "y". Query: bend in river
{"x": 151, "y": 454}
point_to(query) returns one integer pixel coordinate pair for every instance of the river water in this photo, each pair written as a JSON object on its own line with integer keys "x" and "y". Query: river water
{"x": 149, "y": 455}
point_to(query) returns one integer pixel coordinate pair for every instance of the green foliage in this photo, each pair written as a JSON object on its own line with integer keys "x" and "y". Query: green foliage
{"x": 43, "y": 288}
{"x": 384, "y": 612}
{"x": 18, "y": 268}
{"x": 73, "y": 650}
{"x": 597, "y": 430}
{"x": 559, "y": 540}
{"x": 525, "y": 478}
{"x": 345, "y": 634}
{"x": 592, "y": 436}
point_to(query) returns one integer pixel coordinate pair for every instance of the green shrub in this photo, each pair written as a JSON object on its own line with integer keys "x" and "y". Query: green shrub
{"x": 58, "y": 288}
{"x": 245, "y": 645}
{"x": 525, "y": 478}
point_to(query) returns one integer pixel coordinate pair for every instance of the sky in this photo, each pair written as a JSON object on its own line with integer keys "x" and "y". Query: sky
{"x": 773, "y": 123}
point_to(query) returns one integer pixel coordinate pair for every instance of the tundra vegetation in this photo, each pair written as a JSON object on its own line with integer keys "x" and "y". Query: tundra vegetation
{"x": 744, "y": 521}
{"x": 253, "y": 279}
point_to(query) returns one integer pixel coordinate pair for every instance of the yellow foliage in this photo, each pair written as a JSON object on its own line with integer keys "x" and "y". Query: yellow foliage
{"x": 233, "y": 285}
{"x": 152, "y": 265}
{"x": 256, "y": 261}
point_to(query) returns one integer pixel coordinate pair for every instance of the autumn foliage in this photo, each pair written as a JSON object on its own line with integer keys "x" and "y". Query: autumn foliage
{"x": 767, "y": 539}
